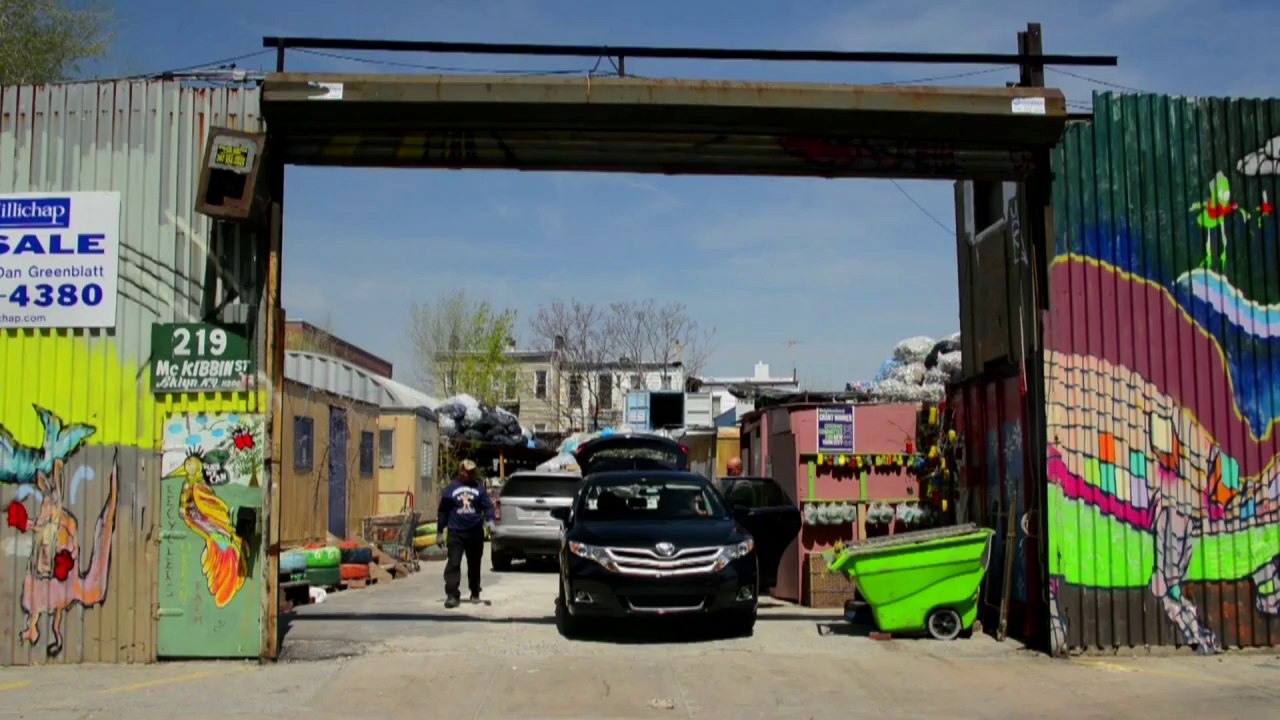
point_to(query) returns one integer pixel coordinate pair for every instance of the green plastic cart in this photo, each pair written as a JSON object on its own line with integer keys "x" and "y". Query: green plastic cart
{"x": 922, "y": 581}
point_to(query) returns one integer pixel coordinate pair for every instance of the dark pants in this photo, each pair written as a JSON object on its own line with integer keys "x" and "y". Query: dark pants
{"x": 459, "y": 544}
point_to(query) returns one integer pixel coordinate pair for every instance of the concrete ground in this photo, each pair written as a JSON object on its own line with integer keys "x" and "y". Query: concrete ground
{"x": 393, "y": 651}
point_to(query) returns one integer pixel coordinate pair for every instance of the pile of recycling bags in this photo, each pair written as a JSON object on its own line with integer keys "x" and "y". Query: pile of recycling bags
{"x": 565, "y": 459}
{"x": 462, "y": 416}
{"x": 919, "y": 370}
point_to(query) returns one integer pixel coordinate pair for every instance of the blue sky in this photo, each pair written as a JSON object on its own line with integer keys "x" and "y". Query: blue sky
{"x": 843, "y": 269}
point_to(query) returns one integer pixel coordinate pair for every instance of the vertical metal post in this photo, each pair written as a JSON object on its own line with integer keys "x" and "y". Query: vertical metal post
{"x": 273, "y": 316}
{"x": 279, "y": 54}
{"x": 1039, "y": 224}
{"x": 622, "y": 66}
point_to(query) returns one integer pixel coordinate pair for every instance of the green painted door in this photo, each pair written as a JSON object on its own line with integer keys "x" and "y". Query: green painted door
{"x": 210, "y": 537}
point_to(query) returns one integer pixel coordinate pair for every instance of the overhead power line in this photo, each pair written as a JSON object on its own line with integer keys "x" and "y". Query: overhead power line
{"x": 1096, "y": 81}
{"x": 948, "y": 230}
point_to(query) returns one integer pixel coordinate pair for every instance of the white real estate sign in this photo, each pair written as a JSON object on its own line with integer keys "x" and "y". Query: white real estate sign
{"x": 59, "y": 259}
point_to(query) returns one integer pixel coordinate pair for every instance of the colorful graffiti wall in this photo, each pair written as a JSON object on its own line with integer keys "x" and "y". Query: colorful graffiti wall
{"x": 1162, "y": 372}
{"x": 80, "y": 430}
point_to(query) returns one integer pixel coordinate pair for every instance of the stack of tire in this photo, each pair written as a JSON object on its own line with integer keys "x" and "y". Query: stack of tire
{"x": 425, "y": 538}
{"x": 322, "y": 565}
{"x": 293, "y": 566}
{"x": 355, "y": 558}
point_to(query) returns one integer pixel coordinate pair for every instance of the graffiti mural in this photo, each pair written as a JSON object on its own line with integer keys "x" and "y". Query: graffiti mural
{"x": 1120, "y": 445}
{"x": 60, "y": 574}
{"x": 1162, "y": 372}
{"x": 206, "y": 452}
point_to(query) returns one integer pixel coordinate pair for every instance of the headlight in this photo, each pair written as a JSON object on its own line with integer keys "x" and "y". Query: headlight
{"x": 595, "y": 554}
{"x": 729, "y": 553}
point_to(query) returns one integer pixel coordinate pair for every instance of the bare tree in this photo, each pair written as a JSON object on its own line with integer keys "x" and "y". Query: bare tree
{"x": 462, "y": 346}
{"x": 43, "y": 41}
{"x": 578, "y": 333}
{"x": 599, "y": 348}
{"x": 649, "y": 335}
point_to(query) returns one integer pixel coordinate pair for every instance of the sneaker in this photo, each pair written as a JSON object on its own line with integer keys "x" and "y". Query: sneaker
{"x": 475, "y": 597}
{"x": 452, "y": 603}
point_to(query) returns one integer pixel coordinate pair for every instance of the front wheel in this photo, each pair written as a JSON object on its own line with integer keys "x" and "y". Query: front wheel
{"x": 944, "y": 624}
{"x": 569, "y": 626}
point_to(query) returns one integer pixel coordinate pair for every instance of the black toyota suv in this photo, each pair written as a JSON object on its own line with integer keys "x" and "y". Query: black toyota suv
{"x": 659, "y": 540}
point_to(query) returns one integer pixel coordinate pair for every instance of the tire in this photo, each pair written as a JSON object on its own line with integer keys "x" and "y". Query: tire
{"x": 357, "y": 555}
{"x": 569, "y": 626}
{"x": 324, "y": 557}
{"x": 353, "y": 571}
{"x": 500, "y": 561}
{"x": 944, "y": 624}
{"x": 739, "y": 624}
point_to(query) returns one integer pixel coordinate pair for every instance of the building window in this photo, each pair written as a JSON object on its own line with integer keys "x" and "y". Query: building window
{"x": 605, "y": 385}
{"x": 575, "y": 391}
{"x": 386, "y": 448}
{"x": 540, "y": 427}
{"x": 366, "y": 454}
{"x": 303, "y": 443}
{"x": 513, "y": 388}
{"x": 540, "y": 384}
{"x": 636, "y": 382}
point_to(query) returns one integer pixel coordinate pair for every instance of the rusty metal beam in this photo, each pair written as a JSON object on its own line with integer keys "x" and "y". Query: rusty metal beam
{"x": 670, "y": 126}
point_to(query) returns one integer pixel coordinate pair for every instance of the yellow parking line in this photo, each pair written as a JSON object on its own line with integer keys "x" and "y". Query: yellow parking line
{"x": 15, "y": 685}
{"x": 191, "y": 677}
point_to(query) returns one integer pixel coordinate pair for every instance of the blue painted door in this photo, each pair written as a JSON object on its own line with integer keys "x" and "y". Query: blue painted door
{"x": 338, "y": 472}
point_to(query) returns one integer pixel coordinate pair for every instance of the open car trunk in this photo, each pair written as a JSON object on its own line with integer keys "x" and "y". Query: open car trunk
{"x": 631, "y": 452}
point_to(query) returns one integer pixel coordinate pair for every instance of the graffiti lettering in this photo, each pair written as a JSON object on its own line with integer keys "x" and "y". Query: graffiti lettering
{"x": 56, "y": 577}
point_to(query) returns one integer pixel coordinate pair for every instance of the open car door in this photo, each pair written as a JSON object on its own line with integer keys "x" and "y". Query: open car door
{"x": 765, "y": 511}
{"x": 631, "y": 452}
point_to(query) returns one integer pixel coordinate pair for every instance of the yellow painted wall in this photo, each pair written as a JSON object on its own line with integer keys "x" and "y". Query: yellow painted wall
{"x": 728, "y": 445}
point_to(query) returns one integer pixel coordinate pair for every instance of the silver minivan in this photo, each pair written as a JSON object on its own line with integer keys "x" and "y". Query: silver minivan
{"x": 524, "y": 528}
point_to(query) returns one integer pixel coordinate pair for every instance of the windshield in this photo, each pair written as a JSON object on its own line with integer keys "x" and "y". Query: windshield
{"x": 639, "y": 497}
{"x": 633, "y": 456}
{"x": 533, "y": 486}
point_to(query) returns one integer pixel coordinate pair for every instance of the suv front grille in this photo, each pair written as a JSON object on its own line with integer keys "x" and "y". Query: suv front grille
{"x": 648, "y": 563}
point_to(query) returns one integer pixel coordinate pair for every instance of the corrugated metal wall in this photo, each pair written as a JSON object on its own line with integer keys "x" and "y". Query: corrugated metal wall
{"x": 1162, "y": 371}
{"x": 997, "y": 486}
{"x": 143, "y": 139}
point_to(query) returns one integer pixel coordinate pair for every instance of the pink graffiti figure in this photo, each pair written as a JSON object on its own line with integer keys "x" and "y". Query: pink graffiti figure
{"x": 56, "y": 577}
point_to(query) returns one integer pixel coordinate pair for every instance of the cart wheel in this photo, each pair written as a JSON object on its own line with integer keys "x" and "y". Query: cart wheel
{"x": 944, "y": 624}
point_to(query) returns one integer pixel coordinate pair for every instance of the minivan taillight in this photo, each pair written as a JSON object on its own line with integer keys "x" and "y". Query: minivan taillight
{"x": 497, "y": 509}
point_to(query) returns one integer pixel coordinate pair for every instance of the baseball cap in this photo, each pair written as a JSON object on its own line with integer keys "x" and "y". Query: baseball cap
{"x": 468, "y": 465}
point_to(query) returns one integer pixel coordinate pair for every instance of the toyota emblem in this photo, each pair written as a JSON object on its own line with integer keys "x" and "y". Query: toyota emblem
{"x": 665, "y": 549}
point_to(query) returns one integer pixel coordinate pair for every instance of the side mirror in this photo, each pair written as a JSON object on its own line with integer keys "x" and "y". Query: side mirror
{"x": 561, "y": 514}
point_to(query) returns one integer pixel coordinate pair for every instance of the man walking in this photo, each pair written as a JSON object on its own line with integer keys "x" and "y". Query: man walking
{"x": 465, "y": 511}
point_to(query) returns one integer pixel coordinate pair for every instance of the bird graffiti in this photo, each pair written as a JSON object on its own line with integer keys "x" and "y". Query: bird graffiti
{"x": 223, "y": 560}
